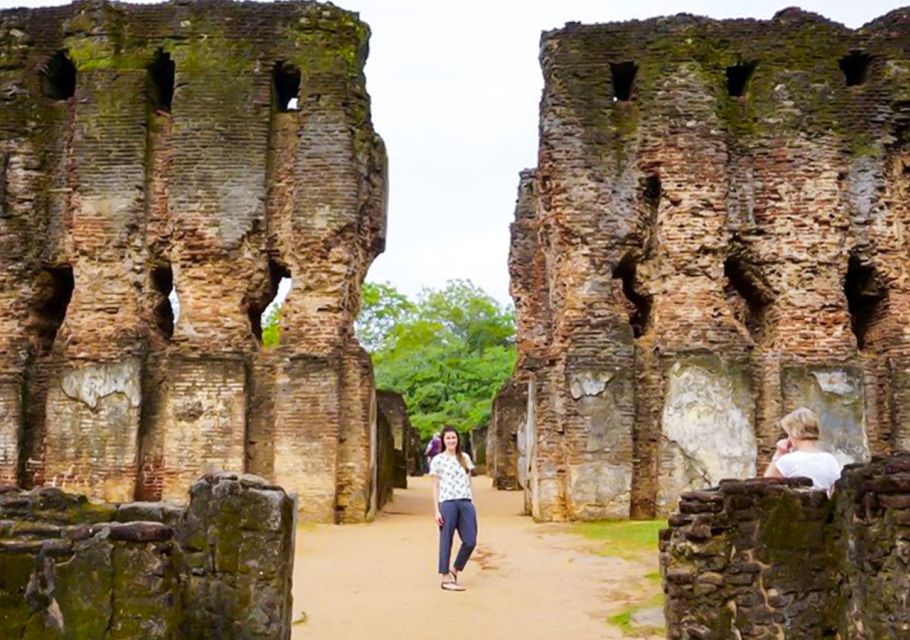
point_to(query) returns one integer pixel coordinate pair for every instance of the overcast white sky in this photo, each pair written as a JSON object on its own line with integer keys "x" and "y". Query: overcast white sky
{"x": 455, "y": 87}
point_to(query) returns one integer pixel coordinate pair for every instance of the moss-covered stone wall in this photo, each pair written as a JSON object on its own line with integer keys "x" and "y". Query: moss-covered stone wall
{"x": 770, "y": 558}
{"x": 221, "y": 567}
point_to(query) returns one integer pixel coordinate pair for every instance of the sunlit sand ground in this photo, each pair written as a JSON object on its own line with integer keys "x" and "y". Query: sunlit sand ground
{"x": 526, "y": 581}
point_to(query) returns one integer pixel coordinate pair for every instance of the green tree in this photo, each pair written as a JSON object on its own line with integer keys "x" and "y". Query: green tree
{"x": 447, "y": 353}
{"x": 381, "y": 308}
{"x": 271, "y": 331}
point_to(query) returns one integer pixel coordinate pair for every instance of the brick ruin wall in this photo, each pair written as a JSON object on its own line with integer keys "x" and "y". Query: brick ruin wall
{"x": 214, "y": 148}
{"x": 221, "y": 567}
{"x": 774, "y": 559}
{"x": 508, "y": 416}
{"x": 405, "y": 439}
{"x": 713, "y": 236}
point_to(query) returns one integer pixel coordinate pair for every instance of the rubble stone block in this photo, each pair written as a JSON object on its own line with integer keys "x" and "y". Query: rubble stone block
{"x": 809, "y": 567}
{"x": 75, "y": 569}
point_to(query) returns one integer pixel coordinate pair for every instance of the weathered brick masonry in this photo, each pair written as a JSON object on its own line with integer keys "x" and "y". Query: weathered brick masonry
{"x": 215, "y": 148}
{"x": 715, "y": 236}
{"x": 774, "y": 559}
{"x": 405, "y": 439}
{"x": 509, "y": 417}
{"x": 220, "y": 568}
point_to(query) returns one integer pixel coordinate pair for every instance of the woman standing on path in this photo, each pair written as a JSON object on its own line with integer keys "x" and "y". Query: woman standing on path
{"x": 452, "y": 495}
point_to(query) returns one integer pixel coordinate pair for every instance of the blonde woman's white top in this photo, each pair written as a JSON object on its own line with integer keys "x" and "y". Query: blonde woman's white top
{"x": 819, "y": 466}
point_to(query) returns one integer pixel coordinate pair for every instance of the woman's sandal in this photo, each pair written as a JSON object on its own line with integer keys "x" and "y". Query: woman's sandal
{"x": 451, "y": 585}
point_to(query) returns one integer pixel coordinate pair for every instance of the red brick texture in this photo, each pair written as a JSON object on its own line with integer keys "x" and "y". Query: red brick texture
{"x": 209, "y": 182}
{"x": 715, "y": 236}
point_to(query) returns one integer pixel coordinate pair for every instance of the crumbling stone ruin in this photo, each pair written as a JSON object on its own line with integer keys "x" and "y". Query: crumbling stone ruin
{"x": 204, "y": 150}
{"x": 387, "y": 467}
{"x": 713, "y": 236}
{"x": 508, "y": 416}
{"x": 476, "y": 440}
{"x": 775, "y": 559}
{"x": 221, "y": 567}
{"x": 405, "y": 440}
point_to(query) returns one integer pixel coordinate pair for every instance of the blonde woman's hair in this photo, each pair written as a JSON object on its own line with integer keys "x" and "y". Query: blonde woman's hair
{"x": 802, "y": 424}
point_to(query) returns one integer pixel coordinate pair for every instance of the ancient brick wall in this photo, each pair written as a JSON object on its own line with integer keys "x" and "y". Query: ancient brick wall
{"x": 716, "y": 238}
{"x": 388, "y": 468}
{"x": 211, "y": 148}
{"x": 507, "y": 442}
{"x": 221, "y": 567}
{"x": 405, "y": 440}
{"x": 509, "y": 415}
{"x": 773, "y": 558}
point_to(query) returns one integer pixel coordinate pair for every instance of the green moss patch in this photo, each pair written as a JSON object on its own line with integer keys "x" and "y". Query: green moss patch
{"x": 623, "y": 538}
{"x": 625, "y": 619}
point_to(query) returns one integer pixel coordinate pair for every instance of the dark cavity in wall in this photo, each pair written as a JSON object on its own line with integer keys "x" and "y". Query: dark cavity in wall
{"x": 53, "y": 291}
{"x": 623, "y": 80}
{"x": 745, "y": 295}
{"x": 865, "y": 295}
{"x": 651, "y": 190}
{"x": 855, "y": 66}
{"x": 163, "y": 282}
{"x": 738, "y": 77}
{"x": 161, "y": 75}
{"x": 277, "y": 273}
{"x": 58, "y": 77}
{"x": 286, "y": 86}
{"x": 638, "y": 306}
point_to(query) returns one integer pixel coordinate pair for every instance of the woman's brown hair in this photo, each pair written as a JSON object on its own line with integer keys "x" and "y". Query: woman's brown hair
{"x": 458, "y": 453}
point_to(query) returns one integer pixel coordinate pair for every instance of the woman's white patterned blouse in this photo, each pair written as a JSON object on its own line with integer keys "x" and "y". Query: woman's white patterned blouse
{"x": 454, "y": 483}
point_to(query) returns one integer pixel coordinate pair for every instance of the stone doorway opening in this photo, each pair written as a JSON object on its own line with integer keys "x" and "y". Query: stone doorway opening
{"x": 53, "y": 292}
{"x": 866, "y": 296}
{"x": 623, "y": 74}
{"x": 168, "y": 305}
{"x": 161, "y": 75}
{"x": 279, "y": 286}
{"x": 855, "y": 66}
{"x": 286, "y": 86}
{"x": 738, "y": 77}
{"x": 58, "y": 77}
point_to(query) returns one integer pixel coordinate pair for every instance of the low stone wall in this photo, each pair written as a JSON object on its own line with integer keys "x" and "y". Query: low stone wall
{"x": 765, "y": 558}
{"x": 220, "y": 568}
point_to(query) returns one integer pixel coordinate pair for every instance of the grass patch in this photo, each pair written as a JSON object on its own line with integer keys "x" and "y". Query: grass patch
{"x": 654, "y": 577}
{"x": 623, "y": 538}
{"x": 623, "y": 619}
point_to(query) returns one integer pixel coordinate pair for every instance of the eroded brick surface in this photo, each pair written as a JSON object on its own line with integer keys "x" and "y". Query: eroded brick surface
{"x": 145, "y": 147}
{"x": 714, "y": 237}
{"x": 509, "y": 415}
{"x": 405, "y": 439}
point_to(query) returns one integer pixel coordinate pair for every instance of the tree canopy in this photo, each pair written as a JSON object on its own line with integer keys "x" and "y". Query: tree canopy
{"x": 447, "y": 352}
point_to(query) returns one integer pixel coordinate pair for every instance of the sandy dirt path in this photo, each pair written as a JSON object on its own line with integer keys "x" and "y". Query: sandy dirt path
{"x": 525, "y": 581}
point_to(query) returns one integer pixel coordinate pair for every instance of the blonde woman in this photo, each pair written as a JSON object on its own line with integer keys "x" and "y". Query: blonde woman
{"x": 798, "y": 455}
